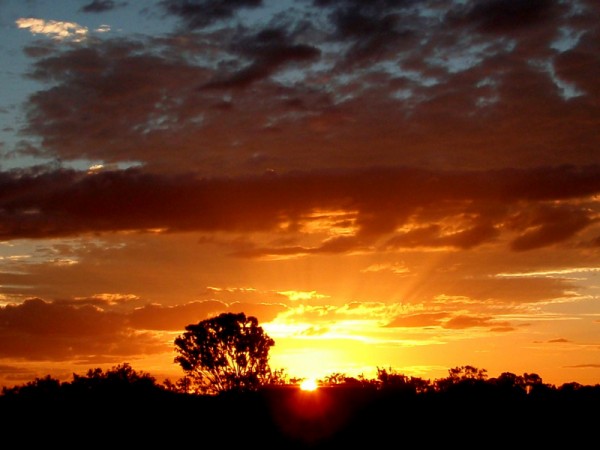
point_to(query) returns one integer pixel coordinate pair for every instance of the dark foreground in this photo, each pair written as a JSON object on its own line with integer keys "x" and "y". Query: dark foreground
{"x": 287, "y": 418}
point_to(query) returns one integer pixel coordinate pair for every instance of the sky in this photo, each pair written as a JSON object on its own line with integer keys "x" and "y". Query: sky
{"x": 399, "y": 184}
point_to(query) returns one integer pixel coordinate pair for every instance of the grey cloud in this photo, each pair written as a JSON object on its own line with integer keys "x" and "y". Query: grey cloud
{"x": 200, "y": 13}
{"x": 99, "y": 6}
{"x": 500, "y": 16}
{"x": 429, "y": 92}
{"x": 269, "y": 50}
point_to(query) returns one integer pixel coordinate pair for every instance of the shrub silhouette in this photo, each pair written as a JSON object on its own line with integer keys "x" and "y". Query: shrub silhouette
{"x": 120, "y": 382}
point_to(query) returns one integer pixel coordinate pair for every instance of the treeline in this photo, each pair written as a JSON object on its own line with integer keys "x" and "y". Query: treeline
{"x": 123, "y": 381}
{"x": 122, "y": 406}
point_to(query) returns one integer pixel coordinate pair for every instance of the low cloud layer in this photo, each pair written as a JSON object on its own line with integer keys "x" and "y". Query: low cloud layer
{"x": 392, "y": 208}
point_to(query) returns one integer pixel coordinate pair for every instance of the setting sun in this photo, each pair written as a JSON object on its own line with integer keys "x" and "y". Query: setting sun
{"x": 310, "y": 384}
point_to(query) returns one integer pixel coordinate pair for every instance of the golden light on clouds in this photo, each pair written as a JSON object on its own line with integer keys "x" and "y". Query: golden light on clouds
{"x": 551, "y": 273}
{"x": 333, "y": 223}
{"x": 304, "y": 296}
{"x": 396, "y": 268}
{"x": 53, "y": 28}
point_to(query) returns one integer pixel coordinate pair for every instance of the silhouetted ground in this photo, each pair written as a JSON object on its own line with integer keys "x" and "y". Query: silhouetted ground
{"x": 288, "y": 418}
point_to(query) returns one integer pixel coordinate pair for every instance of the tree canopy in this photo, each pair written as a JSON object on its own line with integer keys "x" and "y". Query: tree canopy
{"x": 229, "y": 352}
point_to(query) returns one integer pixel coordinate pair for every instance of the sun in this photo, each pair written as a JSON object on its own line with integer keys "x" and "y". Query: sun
{"x": 310, "y": 384}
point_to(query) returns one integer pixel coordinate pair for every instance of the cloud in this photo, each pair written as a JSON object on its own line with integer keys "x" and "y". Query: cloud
{"x": 462, "y": 322}
{"x": 433, "y": 235}
{"x": 176, "y": 318}
{"x": 157, "y": 317}
{"x": 371, "y": 30}
{"x": 200, "y": 13}
{"x": 427, "y": 90}
{"x": 396, "y": 268}
{"x": 407, "y": 207}
{"x": 264, "y": 312}
{"x": 418, "y": 320}
{"x": 314, "y": 331}
{"x": 547, "y": 225}
{"x": 269, "y": 50}
{"x": 585, "y": 366}
{"x": 37, "y": 330}
{"x": 504, "y": 16}
{"x": 65, "y": 331}
{"x": 67, "y": 31}
{"x": 100, "y": 6}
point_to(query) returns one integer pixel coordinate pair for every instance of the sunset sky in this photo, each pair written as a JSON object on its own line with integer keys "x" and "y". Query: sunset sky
{"x": 397, "y": 183}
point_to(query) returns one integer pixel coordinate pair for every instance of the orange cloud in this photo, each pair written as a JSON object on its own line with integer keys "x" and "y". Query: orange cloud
{"x": 418, "y": 320}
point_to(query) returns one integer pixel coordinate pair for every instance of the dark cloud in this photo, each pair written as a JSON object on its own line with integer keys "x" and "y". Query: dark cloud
{"x": 157, "y": 317}
{"x": 581, "y": 65}
{"x": 200, "y": 13}
{"x": 360, "y": 4}
{"x": 35, "y": 316}
{"x": 99, "y": 6}
{"x": 547, "y": 225}
{"x": 38, "y": 330}
{"x": 335, "y": 245}
{"x": 288, "y": 93}
{"x": 463, "y": 209}
{"x": 11, "y": 372}
{"x": 434, "y": 235}
{"x": 463, "y": 322}
{"x": 439, "y": 319}
{"x": 114, "y": 91}
{"x": 501, "y": 16}
{"x": 59, "y": 331}
{"x": 373, "y": 28}
{"x": 585, "y": 366}
{"x": 176, "y": 318}
{"x": 264, "y": 312}
{"x": 269, "y": 50}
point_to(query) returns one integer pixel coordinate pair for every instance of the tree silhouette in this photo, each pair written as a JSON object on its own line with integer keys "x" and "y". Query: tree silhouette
{"x": 228, "y": 352}
{"x": 390, "y": 379}
{"x": 461, "y": 377}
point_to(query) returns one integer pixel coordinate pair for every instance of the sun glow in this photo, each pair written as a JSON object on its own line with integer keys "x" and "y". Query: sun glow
{"x": 310, "y": 384}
